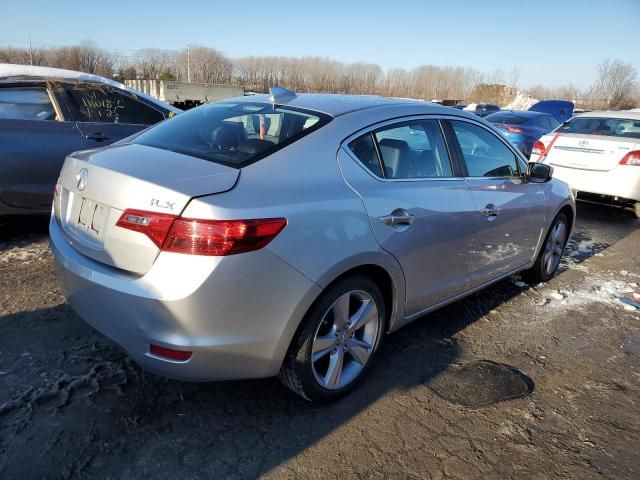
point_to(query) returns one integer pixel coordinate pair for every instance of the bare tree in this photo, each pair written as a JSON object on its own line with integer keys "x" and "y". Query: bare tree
{"x": 614, "y": 87}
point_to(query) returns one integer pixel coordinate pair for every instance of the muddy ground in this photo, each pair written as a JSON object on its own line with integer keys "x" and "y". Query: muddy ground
{"x": 73, "y": 406}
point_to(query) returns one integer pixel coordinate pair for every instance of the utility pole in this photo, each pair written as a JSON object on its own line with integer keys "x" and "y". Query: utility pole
{"x": 188, "y": 64}
{"x": 30, "y": 51}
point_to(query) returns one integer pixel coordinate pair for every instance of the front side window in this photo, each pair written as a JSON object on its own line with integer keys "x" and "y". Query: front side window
{"x": 233, "y": 134}
{"x": 414, "y": 150}
{"x": 18, "y": 103}
{"x": 100, "y": 103}
{"x": 484, "y": 153}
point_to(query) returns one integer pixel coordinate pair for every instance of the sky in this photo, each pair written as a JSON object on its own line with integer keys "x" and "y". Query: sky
{"x": 552, "y": 43}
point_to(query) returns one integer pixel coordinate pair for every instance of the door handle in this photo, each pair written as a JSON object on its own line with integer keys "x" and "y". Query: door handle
{"x": 98, "y": 137}
{"x": 490, "y": 211}
{"x": 398, "y": 217}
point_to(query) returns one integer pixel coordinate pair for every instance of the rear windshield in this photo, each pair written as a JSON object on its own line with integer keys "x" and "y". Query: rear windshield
{"x": 609, "y": 127}
{"x": 233, "y": 134}
{"x": 504, "y": 119}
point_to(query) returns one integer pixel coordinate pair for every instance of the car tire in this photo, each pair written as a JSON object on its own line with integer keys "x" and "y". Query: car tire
{"x": 342, "y": 330}
{"x": 551, "y": 252}
{"x": 636, "y": 209}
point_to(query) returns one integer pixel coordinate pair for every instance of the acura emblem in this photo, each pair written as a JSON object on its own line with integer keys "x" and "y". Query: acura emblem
{"x": 82, "y": 179}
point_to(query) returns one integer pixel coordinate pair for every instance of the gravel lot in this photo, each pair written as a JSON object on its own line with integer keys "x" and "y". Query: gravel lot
{"x": 73, "y": 406}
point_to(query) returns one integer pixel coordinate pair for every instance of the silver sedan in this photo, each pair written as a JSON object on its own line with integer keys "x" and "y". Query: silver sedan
{"x": 287, "y": 234}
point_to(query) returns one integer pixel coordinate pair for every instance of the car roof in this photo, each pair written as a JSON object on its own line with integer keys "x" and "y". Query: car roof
{"x": 624, "y": 114}
{"x": 340, "y": 104}
{"x": 12, "y": 72}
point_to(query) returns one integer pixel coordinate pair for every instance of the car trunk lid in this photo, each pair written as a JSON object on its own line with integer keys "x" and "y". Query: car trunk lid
{"x": 589, "y": 152}
{"x": 96, "y": 186}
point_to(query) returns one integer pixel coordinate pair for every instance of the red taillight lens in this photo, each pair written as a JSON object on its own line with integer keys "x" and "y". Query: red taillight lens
{"x": 202, "y": 237}
{"x": 153, "y": 225}
{"x": 221, "y": 237}
{"x": 177, "y": 355}
{"x": 509, "y": 129}
{"x": 538, "y": 148}
{"x": 632, "y": 158}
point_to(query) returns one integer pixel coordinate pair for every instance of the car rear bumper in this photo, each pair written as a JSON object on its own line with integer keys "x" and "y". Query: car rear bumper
{"x": 623, "y": 181}
{"x": 237, "y": 314}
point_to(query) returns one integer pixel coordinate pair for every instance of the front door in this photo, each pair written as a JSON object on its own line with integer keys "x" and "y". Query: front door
{"x": 511, "y": 211}
{"x": 420, "y": 211}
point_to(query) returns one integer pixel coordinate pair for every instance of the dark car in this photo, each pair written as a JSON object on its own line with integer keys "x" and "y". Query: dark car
{"x": 47, "y": 113}
{"x": 482, "y": 109}
{"x": 522, "y": 128}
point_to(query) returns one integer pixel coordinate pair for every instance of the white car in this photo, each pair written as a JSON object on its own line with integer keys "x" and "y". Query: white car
{"x": 596, "y": 153}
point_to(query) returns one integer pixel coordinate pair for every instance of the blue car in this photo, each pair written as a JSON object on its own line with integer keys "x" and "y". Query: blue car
{"x": 523, "y": 128}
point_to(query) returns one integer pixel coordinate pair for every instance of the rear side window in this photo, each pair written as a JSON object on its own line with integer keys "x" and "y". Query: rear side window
{"x": 484, "y": 153}
{"x": 609, "y": 127}
{"x": 233, "y": 134}
{"x": 408, "y": 150}
{"x": 365, "y": 149}
{"x": 26, "y": 104}
{"x": 99, "y": 103}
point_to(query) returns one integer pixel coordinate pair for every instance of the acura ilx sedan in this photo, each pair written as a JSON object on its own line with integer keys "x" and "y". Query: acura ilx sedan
{"x": 287, "y": 234}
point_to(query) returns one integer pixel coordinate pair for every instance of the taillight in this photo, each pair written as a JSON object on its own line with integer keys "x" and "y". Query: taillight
{"x": 538, "y": 148}
{"x": 153, "y": 225}
{"x": 632, "y": 158}
{"x": 221, "y": 237}
{"x": 509, "y": 128}
{"x": 202, "y": 237}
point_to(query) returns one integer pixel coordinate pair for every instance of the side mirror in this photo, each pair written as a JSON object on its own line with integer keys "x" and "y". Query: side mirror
{"x": 539, "y": 172}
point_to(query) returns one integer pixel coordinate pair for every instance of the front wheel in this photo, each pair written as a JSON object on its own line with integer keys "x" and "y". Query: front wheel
{"x": 336, "y": 342}
{"x": 549, "y": 257}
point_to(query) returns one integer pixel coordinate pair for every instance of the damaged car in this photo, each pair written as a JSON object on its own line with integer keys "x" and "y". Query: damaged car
{"x": 48, "y": 113}
{"x": 287, "y": 234}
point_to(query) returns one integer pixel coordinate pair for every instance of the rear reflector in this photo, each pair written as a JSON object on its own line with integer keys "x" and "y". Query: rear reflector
{"x": 202, "y": 237}
{"x": 538, "y": 148}
{"x": 170, "y": 354}
{"x": 632, "y": 158}
{"x": 221, "y": 237}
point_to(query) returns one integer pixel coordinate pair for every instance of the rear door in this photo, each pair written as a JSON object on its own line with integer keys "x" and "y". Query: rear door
{"x": 420, "y": 209}
{"x": 511, "y": 212}
{"x": 105, "y": 115}
{"x": 35, "y": 138}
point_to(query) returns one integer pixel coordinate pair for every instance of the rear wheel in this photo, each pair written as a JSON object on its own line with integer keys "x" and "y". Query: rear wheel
{"x": 549, "y": 257}
{"x": 336, "y": 342}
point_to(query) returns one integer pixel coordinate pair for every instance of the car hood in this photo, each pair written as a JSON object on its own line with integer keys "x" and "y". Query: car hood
{"x": 561, "y": 110}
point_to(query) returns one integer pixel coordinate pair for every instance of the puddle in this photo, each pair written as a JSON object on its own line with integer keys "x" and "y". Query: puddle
{"x": 480, "y": 383}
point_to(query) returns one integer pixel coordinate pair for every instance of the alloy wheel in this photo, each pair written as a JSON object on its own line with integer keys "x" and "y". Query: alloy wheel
{"x": 345, "y": 339}
{"x": 554, "y": 247}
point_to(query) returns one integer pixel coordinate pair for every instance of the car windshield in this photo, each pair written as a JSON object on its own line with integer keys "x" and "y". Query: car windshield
{"x": 506, "y": 119}
{"x": 233, "y": 134}
{"x": 609, "y": 127}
